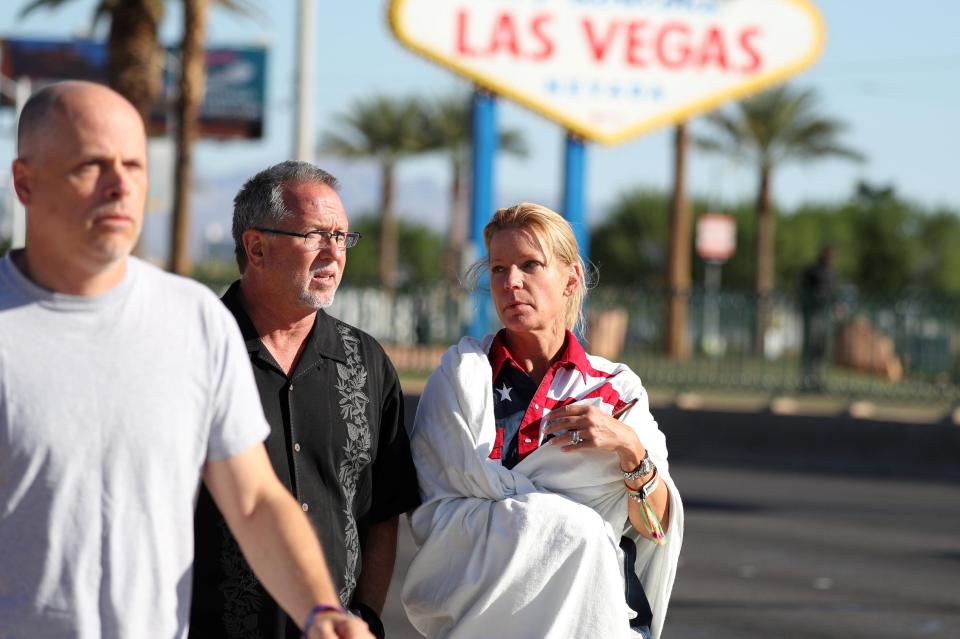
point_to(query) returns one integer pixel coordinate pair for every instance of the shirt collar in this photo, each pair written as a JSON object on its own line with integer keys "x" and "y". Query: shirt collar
{"x": 499, "y": 354}
{"x": 324, "y": 338}
{"x": 571, "y": 355}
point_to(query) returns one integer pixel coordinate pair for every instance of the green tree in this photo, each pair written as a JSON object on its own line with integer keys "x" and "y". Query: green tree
{"x": 386, "y": 130}
{"x": 887, "y": 236}
{"x": 629, "y": 246}
{"x": 449, "y": 129}
{"x": 940, "y": 264}
{"x": 884, "y": 245}
{"x": 803, "y": 235}
{"x": 769, "y": 130}
{"x": 417, "y": 264}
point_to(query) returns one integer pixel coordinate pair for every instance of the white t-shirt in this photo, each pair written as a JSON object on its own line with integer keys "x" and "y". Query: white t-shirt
{"x": 109, "y": 408}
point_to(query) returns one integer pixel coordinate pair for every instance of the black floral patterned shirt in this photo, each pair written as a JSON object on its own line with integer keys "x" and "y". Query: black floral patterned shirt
{"x": 338, "y": 443}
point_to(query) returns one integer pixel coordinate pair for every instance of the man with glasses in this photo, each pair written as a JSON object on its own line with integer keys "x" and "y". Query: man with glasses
{"x": 331, "y": 396}
{"x": 120, "y": 387}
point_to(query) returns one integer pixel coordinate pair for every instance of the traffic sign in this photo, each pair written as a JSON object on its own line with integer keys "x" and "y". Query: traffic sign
{"x": 716, "y": 236}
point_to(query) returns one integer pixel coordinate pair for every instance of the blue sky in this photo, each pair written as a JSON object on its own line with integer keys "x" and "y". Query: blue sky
{"x": 891, "y": 70}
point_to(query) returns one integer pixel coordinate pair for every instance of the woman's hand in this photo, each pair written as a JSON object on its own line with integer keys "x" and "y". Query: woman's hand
{"x": 589, "y": 427}
{"x": 592, "y": 428}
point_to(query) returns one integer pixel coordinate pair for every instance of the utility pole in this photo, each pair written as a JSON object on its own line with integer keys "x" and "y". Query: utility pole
{"x": 303, "y": 134}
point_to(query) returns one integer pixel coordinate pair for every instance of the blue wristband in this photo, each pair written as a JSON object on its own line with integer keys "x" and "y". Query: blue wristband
{"x": 316, "y": 610}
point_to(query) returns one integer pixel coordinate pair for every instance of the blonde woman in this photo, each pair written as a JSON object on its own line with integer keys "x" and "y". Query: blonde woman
{"x": 548, "y": 508}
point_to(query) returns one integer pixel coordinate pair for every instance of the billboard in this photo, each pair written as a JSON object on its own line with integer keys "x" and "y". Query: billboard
{"x": 609, "y": 70}
{"x": 233, "y": 105}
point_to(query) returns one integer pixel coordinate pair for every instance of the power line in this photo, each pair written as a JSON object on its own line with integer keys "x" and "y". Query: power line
{"x": 897, "y": 65}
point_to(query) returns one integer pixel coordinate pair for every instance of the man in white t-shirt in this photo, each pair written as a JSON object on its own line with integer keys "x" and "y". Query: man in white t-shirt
{"x": 121, "y": 386}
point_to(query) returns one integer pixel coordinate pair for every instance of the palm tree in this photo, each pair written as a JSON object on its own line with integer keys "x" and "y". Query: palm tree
{"x": 450, "y": 131}
{"x": 678, "y": 260}
{"x": 135, "y": 62}
{"x": 192, "y": 84}
{"x": 135, "y": 58}
{"x": 191, "y": 87}
{"x": 387, "y": 130}
{"x": 768, "y": 130}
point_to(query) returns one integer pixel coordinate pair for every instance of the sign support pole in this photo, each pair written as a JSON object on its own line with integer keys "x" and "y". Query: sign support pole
{"x": 481, "y": 199}
{"x": 713, "y": 343}
{"x": 574, "y": 192}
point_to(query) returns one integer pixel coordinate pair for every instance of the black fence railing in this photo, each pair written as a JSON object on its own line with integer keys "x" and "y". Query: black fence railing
{"x": 905, "y": 348}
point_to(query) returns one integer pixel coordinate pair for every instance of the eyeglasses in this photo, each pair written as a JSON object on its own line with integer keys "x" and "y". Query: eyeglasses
{"x": 315, "y": 240}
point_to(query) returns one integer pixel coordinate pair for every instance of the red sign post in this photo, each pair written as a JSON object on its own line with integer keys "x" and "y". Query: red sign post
{"x": 716, "y": 243}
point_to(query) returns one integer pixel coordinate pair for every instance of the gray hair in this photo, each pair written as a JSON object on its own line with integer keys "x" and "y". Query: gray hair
{"x": 259, "y": 203}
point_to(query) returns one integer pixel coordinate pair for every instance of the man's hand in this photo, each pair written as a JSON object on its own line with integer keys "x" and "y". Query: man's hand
{"x": 334, "y": 625}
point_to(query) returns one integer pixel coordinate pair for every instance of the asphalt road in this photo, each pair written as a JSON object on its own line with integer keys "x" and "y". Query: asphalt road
{"x": 790, "y": 555}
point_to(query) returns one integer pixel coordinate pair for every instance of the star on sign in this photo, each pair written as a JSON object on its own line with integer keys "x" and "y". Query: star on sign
{"x": 504, "y": 393}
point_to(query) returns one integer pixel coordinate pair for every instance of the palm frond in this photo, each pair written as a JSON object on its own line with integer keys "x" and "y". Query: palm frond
{"x": 725, "y": 136}
{"x": 245, "y": 8}
{"x": 382, "y": 127}
{"x": 779, "y": 125}
{"x": 513, "y": 142}
{"x": 30, "y": 7}
{"x": 449, "y": 126}
{"x": 340, "y": 146}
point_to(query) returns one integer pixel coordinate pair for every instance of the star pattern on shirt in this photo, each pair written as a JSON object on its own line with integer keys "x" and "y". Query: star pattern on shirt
{"x": 504, "y": 393}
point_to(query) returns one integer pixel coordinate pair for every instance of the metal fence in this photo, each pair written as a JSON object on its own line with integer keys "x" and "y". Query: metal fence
{"x": 905, "y": 348}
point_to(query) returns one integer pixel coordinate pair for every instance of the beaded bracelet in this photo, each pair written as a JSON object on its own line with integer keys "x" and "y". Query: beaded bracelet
{"x": 650, "y": 520}
{"x": 318, "y": 610}
{"x": 646, "y": 490}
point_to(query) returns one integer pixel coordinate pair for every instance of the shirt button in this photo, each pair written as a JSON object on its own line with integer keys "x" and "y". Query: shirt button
{"x": 291, "y": 386}
{"x": 305, "y": 507}
{"x": 527, "y": 440}
{"x": 296, "y": 447}
{"x": 537, "y": 406}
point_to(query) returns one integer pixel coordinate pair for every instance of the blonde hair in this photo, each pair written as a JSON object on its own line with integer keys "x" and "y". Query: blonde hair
{"x": 555, "y": 238}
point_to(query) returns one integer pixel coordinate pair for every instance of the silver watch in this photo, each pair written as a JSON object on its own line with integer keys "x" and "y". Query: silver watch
{"x": 645, "y": 468}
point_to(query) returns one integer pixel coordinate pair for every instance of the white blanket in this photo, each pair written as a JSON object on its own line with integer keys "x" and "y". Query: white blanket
{"x": 531, "y": 552}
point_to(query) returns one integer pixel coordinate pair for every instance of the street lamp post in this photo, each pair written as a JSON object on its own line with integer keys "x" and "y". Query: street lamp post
{"x": 303, "y": 130}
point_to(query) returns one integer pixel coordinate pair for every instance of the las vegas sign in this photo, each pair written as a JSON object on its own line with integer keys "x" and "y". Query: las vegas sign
{"x": 610, "y": 70}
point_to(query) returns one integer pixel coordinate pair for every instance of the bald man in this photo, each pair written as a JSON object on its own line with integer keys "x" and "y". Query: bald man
{"x": 121, "y": 386}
